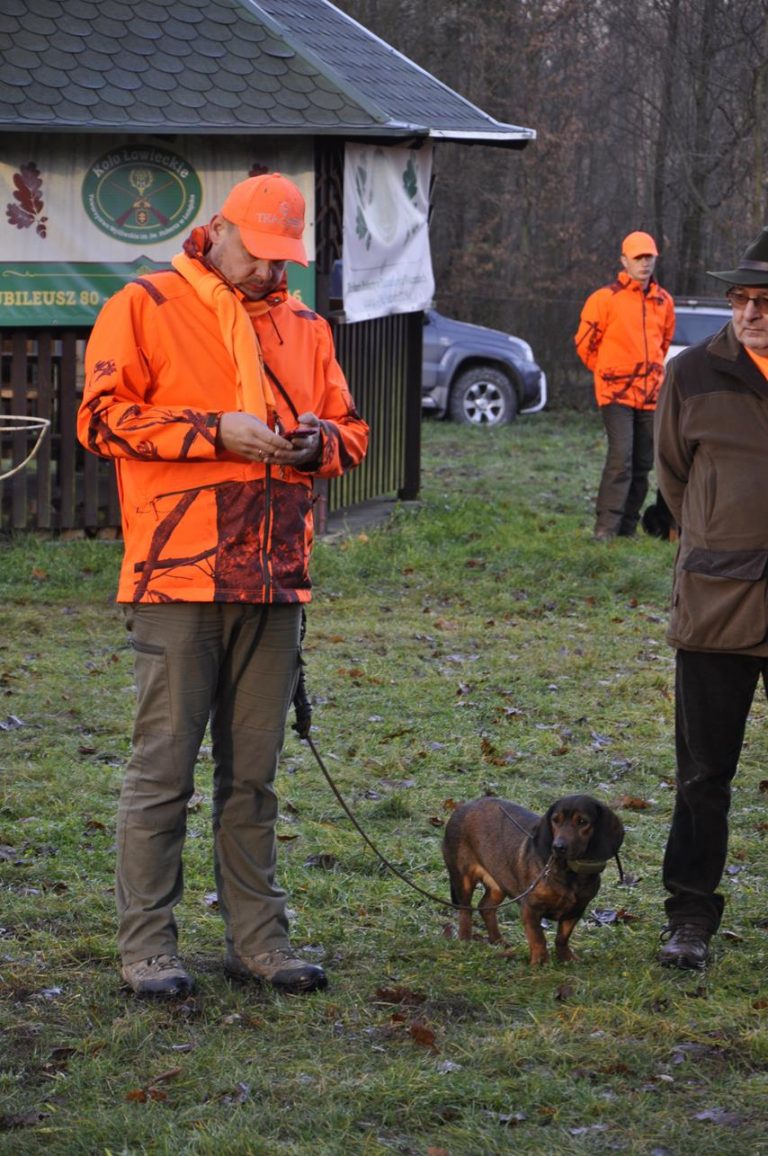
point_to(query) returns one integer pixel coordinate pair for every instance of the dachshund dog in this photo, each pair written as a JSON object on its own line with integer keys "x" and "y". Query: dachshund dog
{"x": 550, "y": 864}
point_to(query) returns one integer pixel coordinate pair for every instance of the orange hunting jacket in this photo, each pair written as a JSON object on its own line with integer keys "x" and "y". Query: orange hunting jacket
{"x": 623, "y": 336}
{"x": 200, "y": 524}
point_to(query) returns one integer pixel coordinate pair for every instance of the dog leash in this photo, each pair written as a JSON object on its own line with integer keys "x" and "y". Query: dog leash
{"x": 391, "y": 866}
{"x": 303, "y": 726}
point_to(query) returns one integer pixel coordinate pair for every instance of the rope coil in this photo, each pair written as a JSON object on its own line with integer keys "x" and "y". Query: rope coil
{"x": 12, "y": 423}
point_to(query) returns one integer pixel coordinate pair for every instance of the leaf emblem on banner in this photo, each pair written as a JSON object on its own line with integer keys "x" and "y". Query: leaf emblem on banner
{"x": 410, "y": 181}
{"x": 361, "y": 223}
{"x": 28, "y": 190}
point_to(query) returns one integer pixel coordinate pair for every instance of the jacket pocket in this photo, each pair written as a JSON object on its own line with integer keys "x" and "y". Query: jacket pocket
{"x": 719, "y": 600}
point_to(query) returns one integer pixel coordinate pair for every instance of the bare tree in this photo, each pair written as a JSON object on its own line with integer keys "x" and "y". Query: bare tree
{"x": 650, "y": 114}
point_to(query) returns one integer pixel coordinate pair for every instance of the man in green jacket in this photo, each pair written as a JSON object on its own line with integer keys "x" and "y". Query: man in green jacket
{"x": 712, "y": 467}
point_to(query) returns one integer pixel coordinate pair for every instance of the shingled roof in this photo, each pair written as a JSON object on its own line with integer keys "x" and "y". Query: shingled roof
{"x": 297, "y": 67}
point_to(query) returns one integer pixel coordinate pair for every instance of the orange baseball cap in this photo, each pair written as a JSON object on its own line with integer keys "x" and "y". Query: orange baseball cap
{"x": 269, "y": 212}
{"x": 639, "y": 245}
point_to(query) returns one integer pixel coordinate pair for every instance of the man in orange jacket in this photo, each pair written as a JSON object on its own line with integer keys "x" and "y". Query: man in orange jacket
{"x": 625, "y": 330}
{"x": 219, "y": 397}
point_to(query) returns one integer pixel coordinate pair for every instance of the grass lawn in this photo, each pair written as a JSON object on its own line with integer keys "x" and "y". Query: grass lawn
{"x": 477, "y": 642}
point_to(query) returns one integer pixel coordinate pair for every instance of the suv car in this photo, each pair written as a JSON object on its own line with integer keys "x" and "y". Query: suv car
{"x": 696, "y": 319}
{"x": 475, "y": 375}
{"x": 478, "y": 376}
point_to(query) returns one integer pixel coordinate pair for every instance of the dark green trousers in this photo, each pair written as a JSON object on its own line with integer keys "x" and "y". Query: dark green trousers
{"x": 628, "y": 462}
{"x": 235, "y": 666}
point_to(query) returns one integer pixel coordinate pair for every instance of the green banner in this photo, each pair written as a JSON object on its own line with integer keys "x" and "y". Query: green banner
{"x": 60, "y": 294}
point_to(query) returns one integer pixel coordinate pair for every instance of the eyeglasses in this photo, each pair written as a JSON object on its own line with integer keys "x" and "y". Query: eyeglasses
{"x": 739, "y": 300}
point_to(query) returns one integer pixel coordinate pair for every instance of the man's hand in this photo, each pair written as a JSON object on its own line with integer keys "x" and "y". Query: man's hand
{"x": 305, "y": 441}
{"x": 248, "y": 437}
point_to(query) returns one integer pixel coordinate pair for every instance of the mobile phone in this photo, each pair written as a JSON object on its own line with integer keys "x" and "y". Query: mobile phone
{"x": 296, "y": 435}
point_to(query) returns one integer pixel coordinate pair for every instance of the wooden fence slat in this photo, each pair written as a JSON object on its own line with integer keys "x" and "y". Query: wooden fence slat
{"x": 43, "y": 458}
{"x": 20, "y": 440}
{"x": 68, "y": 401}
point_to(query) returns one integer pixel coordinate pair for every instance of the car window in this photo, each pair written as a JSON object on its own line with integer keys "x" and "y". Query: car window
{"x": 693, "y": 327}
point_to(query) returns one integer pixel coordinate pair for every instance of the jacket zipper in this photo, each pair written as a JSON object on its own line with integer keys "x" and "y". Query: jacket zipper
{"x": 645, "y": 348}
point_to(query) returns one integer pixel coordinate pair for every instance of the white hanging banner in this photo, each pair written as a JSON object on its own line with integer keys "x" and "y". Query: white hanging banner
{"x": 387, "y": 264}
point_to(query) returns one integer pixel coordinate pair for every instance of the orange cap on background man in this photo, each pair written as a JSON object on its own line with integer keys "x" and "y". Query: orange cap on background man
{"x": 638, "y": 245}
{"x": 269, "y": 212}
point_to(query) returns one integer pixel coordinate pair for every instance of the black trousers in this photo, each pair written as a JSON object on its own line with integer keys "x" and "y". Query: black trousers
{"x": 713, "y": 696}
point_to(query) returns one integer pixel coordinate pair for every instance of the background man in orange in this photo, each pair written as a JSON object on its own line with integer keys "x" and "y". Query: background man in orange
{"x": 219, "y": 397}
{"x": 625, "y": 330}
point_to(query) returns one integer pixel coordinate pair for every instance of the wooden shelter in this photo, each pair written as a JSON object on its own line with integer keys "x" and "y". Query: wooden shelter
{"x": 239, "y": 85}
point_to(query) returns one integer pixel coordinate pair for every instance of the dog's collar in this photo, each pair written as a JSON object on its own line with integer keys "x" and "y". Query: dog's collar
{"x": 587, "y": 866}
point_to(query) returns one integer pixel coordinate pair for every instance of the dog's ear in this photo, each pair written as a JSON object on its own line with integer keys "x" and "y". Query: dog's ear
{"x": 607, "y": 836}
{"x": 541, "y": 835}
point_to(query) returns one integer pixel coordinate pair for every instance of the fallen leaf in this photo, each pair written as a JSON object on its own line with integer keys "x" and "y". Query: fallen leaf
{"x": 324, "y": 860}
{"x": 239, "y": 1095}
{"x": 422, "y": 1035}
{"x": 164, "y": 1077}
{"x": 50, "y": 993}
{"x": 22, "y": 1120}
{"x": 141, "y": 1095}
{"x": 720, "y": 1116}
{"x": 608, "y": 916}
{"x": 11, "y": 723}
{"x": 632, "y": 803}
{"x": 402, "y": 995}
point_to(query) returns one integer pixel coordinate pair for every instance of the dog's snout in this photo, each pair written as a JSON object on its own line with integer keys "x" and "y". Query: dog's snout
{"x": 560, "y": 845}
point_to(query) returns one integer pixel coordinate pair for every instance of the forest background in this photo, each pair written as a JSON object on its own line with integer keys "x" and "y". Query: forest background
{"x": 649, "y": 114}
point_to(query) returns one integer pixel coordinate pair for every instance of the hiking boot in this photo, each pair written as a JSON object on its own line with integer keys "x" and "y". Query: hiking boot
{"x": 601, "y": 535}
{"x": 686, "y": 945}
{"x": 162, "y": 975}
{"x": 280, "y": 967}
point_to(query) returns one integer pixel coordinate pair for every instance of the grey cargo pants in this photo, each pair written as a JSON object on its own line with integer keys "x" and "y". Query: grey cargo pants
{"x": 237, "y": 666}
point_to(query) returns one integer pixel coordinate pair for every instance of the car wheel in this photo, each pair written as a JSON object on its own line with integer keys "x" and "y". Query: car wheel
{"x": 483, "y": 396}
